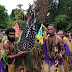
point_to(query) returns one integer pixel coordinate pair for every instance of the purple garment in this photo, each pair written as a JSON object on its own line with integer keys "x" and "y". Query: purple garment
{"x": 52, "y": 62}
{"x": 49, "y": 61}
{"x": 67, "y": 49}
{"x": 2, "y": 66}
{"x": 46, "y": 60}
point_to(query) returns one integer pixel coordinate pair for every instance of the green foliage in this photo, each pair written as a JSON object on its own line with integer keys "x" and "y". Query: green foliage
{"x": 61, "y": 22}
{"x": 25, "y": 17}
{"x": 69, "y": 27}
{"x": 10, "y": 22}
{"x": 65, "y": 6}
{"x": 5, "y": 58}
{"x": 3, "y": 18}
{"x": 19, "y": 5}
{"x": 22, "y": 23}
{"x": 12, "y": 14}
{"x": 61, "y": 15}
{"x": 17, "y": 13}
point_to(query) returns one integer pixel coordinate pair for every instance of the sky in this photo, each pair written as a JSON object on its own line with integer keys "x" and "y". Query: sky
{"x": 12, "y": 4}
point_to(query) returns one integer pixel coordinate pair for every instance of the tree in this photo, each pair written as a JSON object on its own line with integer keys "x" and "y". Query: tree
{"x": 19, "y": 13}
{"x": 59, "y": 10}
{"x": 42, "y": 8}
{"x": 3, "y": 18}
{"x": 22, "y": 23}
{"x": 10, "y": 22}
{"x": 19, "y": 5}
{"x": 12, "y": 15}
{"x": 61, "y": 22}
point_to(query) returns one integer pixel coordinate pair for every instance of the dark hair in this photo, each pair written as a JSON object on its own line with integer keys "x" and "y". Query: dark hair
{"x": 9, "y": 30}
{"x": 62, "y": 31}
{"x": 52, "y": 25}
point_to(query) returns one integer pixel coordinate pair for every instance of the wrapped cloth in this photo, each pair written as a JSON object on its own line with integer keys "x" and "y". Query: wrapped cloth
{"x": 67, "y": 49}
{"x": 2, "y": 66}
{"x": 68, "y": 43}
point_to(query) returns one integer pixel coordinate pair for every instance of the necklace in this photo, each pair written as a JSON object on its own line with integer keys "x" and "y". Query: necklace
{"x": 14, "y": 58}
{"x": 51, "y": 48}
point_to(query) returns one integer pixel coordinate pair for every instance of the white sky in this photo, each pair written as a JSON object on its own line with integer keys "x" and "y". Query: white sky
{"x": 12, "y": 4}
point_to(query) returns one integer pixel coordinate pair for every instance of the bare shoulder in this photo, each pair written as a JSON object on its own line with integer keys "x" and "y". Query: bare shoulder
{"x": 6, "y": 45}
{"x": 60, "y": 39}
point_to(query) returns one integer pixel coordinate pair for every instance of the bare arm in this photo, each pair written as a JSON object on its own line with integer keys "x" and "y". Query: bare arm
{"x": 61, "y": 42}
{"x": 63, "y": 49}
{"x": 44, "y": 27}
{"x": 14, "y": 56}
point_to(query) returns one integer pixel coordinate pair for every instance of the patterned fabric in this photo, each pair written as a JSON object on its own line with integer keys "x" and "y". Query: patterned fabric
{"x": 28, "y": 36}
{"x": 68, "y": 43}
{"x": 67, "y": 49}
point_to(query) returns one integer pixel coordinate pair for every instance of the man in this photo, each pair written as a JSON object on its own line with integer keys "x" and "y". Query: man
{"x": 68, "y": 53}
{"x": 10, "y": 51}
{"x": 53, "y": 43}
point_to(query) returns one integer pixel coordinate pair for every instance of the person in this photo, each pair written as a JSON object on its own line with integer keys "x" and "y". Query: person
{"x": 53, "y": 43}
{"x": 10, "y": 51}
{"x": 67, "y": 58}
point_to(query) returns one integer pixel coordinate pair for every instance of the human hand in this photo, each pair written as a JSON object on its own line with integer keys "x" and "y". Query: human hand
{"x": 42, "y": 25}
{"x": 24, "y": 52}
{"x": 20, "y": 53}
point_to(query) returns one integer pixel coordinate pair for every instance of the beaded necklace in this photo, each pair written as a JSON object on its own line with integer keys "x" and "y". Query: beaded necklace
{"x": 51, "y": 48}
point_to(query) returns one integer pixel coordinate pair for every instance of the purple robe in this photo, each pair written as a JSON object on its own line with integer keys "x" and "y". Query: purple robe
{"x": 67, "y": 49}
{"x": 49, "y": 61}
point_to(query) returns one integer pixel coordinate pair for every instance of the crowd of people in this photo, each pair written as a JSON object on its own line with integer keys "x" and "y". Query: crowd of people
{"x": 57, "y": 51}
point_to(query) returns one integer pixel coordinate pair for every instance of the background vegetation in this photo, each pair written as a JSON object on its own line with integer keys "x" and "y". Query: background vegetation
{"x": 58, "y": 12}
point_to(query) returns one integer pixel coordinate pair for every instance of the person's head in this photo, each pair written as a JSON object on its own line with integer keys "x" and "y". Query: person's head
{"x": 61, "y": 33}
{"x": 10, "y": 32}
{"x": 51, "y": 29}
